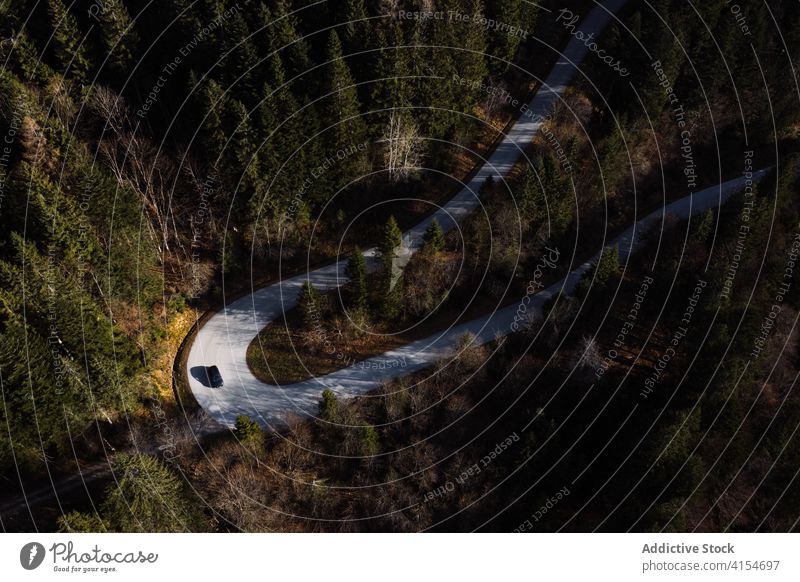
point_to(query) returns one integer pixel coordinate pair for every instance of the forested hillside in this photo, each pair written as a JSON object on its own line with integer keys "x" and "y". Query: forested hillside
{"x": 160, "y": 158}
{"x": 150, "y": 148}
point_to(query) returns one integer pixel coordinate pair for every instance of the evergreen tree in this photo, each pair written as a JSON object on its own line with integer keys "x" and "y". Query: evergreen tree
{"x": 503, "y": 45}
{"x": 530, "y": 199}
{"x": 187, "y": 16}
{"x": 394, "y": 90}
{"x": 261, "y": 25}
{"x": 370, "y": 441}
{"x": 341, "y": 115}
{"x": 308, "y": 302}
{"x": 270, "y": 184}
{"x": 660, "y": 42}
{"x": 436, "y": 59}
{"x": 470, "y": 63}
{"x": 68, "y": 46}
{"x": 247, "y": 428}
{"x": 27, "y": 58}
{"x": 338, "y": 82}
{"x": 288, "y": 44}
{"x": 607, "y": 266}
{"x": 212, "y": 102}
{"x": 357, "y": 30}
{"x": 433, "y": 238}
{"x": 241, "y": 64}
{"x": 703, "y": 226}
{"x": 391, "y": 291}
{"x": 392, "y": 239}
{"x": 77, "y": 522}
{"x": 118, "y": 37}
{"x": 529, "y": 16}
{"x": 329, "y": 406}
{"x": 614, "y": 165}
{"x": 356, "y": 271}
{"x": 289, "y": 132}
{"x": 601, "y": 275}
{"x": 148, "y": 497}
{"x": 559, "y": 198}
{"x": 242, "y": 167}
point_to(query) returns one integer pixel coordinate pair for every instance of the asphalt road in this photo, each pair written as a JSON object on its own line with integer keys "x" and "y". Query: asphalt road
{"x": 224, "y": 339}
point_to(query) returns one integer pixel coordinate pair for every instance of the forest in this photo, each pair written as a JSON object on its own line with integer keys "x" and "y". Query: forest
{"x": 160, "y": 159}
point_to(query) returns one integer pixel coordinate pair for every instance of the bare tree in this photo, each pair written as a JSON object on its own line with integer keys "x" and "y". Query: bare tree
{"x": 427, "y": 280}
{"x": 587, "y": 357}
{"x": 495, "y": 100}
{"x": 403, "y": 153}
{"x": 138, "y": 164}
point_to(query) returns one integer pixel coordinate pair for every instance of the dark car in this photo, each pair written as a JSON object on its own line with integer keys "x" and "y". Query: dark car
{"x": 214, "y": 377}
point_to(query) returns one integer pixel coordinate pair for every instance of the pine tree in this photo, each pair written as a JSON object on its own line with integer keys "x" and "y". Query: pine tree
{"x": 503, "y": 45}
{"x": 703, "y": 226}
{"x": 308, "y": 302}
{"x": 528, "y": 17}
{"x": 27, "y": 58}
{"x": 78, "y": 522}
{"x": 607, "y": 266}
{"x": 392, "y": 239}
{"x": 242, "y": 165}
{"x": 530, "y": 200}
{"x": 212, "y": 101}
{"x": 341, "y": 115}
{"x": 213, "y": 9}
{"x": 391, "y": 291}
{"x": 661, "y": 44}
{"x": 67, "y": 43}
{"x": 613, "y": 163}
{"x": 270, "y": 184}
{"x": 433, "y": 238}
{"x": 329, "y": 406}
{"x": 356, "y": 272}
{"x": 601, "y": 274}
{"x": 338, "y": 82}
{"x": 290, "y": 132}
{"x": 241, "y": 64}
{"x": 148, "y": 497}
{"x": 392, "y": 66}
{"x": 292, "y": 48}
{"x": 356, "y": 32}
{"x": 471, "y": 62}
{"x": 248, "y": 430}
{"x": 187, "y": 16}
{"x": 439, "y": 94}
{"x": 287, "y": 132}
{"x": 370, "y": 441}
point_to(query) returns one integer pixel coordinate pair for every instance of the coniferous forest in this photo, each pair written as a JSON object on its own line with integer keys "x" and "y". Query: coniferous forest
{"x": 167, "y": 164}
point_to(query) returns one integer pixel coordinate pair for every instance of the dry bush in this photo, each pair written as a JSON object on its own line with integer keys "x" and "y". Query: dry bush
{"x": 426, "y": 281}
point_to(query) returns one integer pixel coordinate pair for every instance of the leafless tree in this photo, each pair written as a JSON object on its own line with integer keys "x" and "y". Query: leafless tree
{"x": 494, "y": 101}
{"x": 138, "y": 164}
{"x": 587, "y": 356}
{"x": 427, "y": 279}
{"x": 240, "y": 497}
{"x": 531, "y": 321}
{"x": 403, "y": 153}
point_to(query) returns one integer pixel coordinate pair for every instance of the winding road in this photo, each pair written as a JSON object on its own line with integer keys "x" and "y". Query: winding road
{"x": 224, "y": 339}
